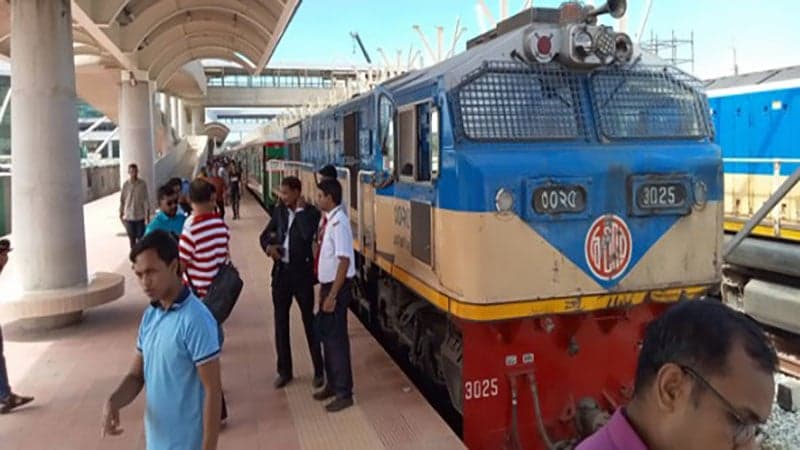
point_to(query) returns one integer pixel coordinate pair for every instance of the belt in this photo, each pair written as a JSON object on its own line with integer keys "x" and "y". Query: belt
{"x": 325, "y": 285}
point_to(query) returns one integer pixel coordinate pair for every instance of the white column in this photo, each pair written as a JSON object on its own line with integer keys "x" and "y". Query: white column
{"x": 173, "y": 112}
{"x": 47, "y": 193}
{"x": 198, "y": 119}
{"x": 181, "y": 118}
{"x": 136, "y": 133}
{"x": 165, "y": 107}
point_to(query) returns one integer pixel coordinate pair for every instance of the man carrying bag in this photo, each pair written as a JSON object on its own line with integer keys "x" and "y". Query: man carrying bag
{"x": 204, "y": 257}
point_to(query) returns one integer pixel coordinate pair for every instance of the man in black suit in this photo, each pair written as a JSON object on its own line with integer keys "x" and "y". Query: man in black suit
{"x": 287, "y": 240}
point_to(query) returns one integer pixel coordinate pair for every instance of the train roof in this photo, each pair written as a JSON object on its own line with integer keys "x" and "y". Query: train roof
{"x": 761, "y": 81}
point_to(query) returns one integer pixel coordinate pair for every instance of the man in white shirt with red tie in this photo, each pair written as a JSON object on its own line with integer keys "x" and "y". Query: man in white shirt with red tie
{"x": 335, "y": 271}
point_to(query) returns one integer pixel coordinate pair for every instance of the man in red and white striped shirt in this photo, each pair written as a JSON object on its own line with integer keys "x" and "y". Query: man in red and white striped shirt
{"x": 204, "y": 241}
{"x": 203, "y": 247}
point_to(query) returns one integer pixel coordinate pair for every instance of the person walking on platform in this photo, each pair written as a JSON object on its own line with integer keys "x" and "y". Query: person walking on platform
{"x": 335, "y": 270}
{"x": 204, "y": 247}
{"x": 8, "y": 399}
{"x": 177, "y": 354}
{"x": 134, "y": 205}
{"x": 288, "y": 239}
{"x": 235, "y": 186}
{"x": 168, "y": 218}
{"x": 219, "y": 188}
{"x": 704, "y": 381}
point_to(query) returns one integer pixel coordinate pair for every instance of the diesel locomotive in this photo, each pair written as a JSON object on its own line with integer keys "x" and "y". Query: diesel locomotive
{"x": 521, "y": 211}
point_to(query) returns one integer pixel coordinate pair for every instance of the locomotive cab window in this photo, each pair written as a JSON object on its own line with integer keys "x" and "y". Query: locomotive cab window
{"x": 418, "y": 140}
{"x": 407, "y": 138}
{"x": 433, "y": 140}
{"x": 386, "y": 137}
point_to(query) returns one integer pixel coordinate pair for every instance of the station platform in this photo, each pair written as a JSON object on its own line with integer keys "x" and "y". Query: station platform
{"x": 71, "y": 371}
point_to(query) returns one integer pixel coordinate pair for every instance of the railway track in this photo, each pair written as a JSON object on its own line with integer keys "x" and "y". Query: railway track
{"x": 790, "y": 364}
{"x": 788, "y": 347}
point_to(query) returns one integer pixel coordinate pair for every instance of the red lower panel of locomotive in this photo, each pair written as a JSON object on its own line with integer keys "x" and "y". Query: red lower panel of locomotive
{"x": 544, "y": 383}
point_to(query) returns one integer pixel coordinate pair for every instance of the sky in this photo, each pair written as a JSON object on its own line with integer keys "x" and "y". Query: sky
{"x": 763, "y": 32}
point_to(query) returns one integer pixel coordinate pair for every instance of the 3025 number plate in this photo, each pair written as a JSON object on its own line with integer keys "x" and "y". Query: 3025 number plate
{"x": 557, "y": 199}
{"x": 661, "y": 195}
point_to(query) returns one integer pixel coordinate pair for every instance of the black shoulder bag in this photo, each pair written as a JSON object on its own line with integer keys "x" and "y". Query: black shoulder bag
{"x": 223, "y": 292}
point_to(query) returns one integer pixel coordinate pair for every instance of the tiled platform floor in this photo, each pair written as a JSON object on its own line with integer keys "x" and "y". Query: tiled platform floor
{"x": 72, "y": 371}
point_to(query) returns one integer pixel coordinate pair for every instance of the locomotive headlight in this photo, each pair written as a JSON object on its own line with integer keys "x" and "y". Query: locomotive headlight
{"x": 504, "y": 200}
{"x": 583, "y": 43}
{"x": 624, "y": 48}
{"x": 700, "y": 194}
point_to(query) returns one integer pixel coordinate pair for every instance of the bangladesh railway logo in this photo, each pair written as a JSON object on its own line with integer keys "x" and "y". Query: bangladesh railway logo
{"x": 608, "y": 247}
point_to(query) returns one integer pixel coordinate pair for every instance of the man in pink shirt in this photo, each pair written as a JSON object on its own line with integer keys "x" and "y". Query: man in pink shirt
{"x": 704, "y": 381}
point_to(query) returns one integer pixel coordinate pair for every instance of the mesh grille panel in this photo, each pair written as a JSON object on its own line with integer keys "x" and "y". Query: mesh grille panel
{"x": 514, "y": 101}
{"x": 648, "y": 102}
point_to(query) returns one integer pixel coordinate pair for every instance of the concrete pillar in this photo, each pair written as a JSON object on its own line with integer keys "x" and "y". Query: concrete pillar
{"x": 51, "y": 286}
{"x": 165, "y": 107}
{"x": 136, "y": 133}
{"x": 173, "y": 107}
{"x": 181, "y": 119}
{"x": 198, "y": 119}
{"x": 46, "y": 182}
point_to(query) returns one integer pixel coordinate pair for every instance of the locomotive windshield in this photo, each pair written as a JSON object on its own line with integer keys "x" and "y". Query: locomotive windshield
{"x": 642, "y": 103}
{"x": 511, "y": 101}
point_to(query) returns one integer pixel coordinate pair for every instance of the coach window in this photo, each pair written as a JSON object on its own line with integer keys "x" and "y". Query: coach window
{"x": 386, "y": 121}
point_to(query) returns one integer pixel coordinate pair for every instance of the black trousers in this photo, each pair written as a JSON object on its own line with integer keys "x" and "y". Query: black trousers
{"x": 135, "y": 230}
{"x": 235, "y": 199}
{"x": 291, "y": 283}
{"x": 332, "y": 328}
{"x": 221, "y": 209}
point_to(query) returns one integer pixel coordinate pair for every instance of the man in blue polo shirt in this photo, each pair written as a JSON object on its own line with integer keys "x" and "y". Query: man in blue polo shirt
{"x": 169, "y": 217}
{"x": 177, "y": 357}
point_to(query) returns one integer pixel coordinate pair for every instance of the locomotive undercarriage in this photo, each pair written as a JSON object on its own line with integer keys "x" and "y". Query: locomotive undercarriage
{"x": 430, "y": 342}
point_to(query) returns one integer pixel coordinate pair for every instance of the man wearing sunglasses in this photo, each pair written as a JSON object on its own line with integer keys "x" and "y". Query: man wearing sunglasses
{"x": 169, "y": 218}
{"x": 704, "y": 381}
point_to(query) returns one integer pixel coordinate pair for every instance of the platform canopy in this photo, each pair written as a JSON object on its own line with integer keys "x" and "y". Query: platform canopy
{"x": 163, "y": 40}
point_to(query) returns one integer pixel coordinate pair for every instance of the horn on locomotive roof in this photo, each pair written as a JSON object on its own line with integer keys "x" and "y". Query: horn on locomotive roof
{"x": 616, "y": 8}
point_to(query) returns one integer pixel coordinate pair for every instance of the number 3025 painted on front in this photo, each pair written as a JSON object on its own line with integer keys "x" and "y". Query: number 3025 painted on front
{"x": 477, "y": 389}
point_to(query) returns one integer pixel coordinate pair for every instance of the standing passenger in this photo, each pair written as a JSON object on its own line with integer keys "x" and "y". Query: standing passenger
{"x": 204, "y": 246}
{"x": 335, "y": 271}
{"x": 328, "y": 172}
{"x": 134, "y": 206}
{"x": 219, "y": 188}
{"x": 704, "y": 381}
{"x": 8, "y": 399}
{"x": 235, "y": 177}
{"x": 287, "y": 240}
{"x": 177, "y": 357}
{"x": 168, "y": 218}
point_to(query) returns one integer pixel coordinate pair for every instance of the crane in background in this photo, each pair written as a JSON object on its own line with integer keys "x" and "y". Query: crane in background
{"x": 357, "y": 39}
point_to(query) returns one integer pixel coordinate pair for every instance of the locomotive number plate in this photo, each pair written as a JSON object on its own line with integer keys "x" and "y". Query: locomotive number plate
{"x": 661, "y": 195}
{"x": 556, "y": 199}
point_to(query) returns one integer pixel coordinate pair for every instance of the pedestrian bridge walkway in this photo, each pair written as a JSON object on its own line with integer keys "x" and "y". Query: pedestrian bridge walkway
{"x": 71, "y": 371}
